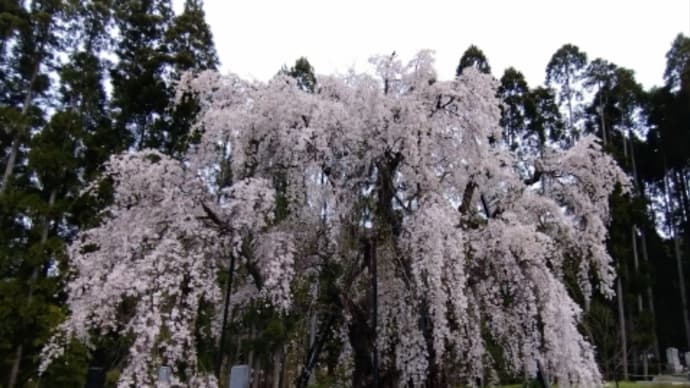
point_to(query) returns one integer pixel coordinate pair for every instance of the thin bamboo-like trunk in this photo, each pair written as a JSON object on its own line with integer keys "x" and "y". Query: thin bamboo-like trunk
{"x": 679, "y": 259}
{"x": 640, "y": 305}
{"x": 253, "y": 372}
{"x": 257, "y": 373}
{"x": 650, "y": 299}
{"x": 602, "y": 119}
{"x": 19, "y": 352}
{"x": 681, "y": 280}
{"x": 21, "y": 131}
{"x": 277, "y": 368}
{"x": 313, "y": 324}
{"x": 14, "y": 150}
{"x": 622, "y": 327}
{"x": 570, "y": 110}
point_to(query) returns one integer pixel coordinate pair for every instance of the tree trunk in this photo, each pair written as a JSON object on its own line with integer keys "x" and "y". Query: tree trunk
{"x": 681, "y": 281}
{"x": 602, "y": 119}
{"x": 361, "y": 335}
{"x": 681, "y": 195}
{"x": 650, "y": 299}
{"x": 22, "y": 130}
{"x": 313, "y": 324}
{"x": 250, "y": 359}
{"x": 277, "y": 368}
{"x": 571, "y": 125}
{"x": 640, "y": 304}
{"x": 19, "y": 352}
{"x": 257, "y": 373}
{"x": 621, "y": 319}
{"x": 679, "y": 260}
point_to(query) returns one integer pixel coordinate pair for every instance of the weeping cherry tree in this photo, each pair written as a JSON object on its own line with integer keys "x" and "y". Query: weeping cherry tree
{"x": 399, "y": 179}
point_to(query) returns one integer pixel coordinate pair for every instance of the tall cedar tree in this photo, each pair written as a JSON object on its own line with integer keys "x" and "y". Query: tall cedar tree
{"x": 28, "y": 40}
{"x": 190, "y": 46}
{"x": 473, "y": 57}
{"x": 564, "y": 71}
{"x": 141, "y": 77}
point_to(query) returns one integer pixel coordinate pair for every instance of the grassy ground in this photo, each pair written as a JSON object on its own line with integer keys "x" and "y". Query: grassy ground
{"x": 623, "y": 384}
{"x": 632, "y": 384}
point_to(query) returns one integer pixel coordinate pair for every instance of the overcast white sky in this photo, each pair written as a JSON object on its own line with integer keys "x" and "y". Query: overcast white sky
{"x": 255, "y": 38}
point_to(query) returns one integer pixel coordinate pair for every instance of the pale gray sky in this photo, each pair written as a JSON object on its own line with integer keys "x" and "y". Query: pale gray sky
{"x": 255, "y": 38}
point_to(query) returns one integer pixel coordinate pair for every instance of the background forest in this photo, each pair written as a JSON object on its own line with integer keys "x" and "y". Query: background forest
{"x": 81, "y": 81}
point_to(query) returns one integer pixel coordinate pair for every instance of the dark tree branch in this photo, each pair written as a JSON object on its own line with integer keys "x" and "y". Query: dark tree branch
{"x": 223, "y": 226}
{"x": 538, "y": 173}
{"x": 467, "y": 197}
{"x": 485, "y": 205}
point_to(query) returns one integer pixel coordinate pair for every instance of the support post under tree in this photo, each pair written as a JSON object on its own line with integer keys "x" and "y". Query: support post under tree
{"x": 374, "y": 321}
{"x": 226, "y": 308}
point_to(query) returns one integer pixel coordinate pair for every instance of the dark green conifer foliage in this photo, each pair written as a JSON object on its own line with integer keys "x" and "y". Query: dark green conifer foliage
{"x": 564, "y": 71}
{"x": 57, "y": 158}
{"x": 303, "y": 72}
{"x": 545, "y": 120}
{"x": 616, "y": 106}
{"x": 190, "y": 41}
{"x": 191, "y": 49}
{"x": 28, "y": 42}
{"x": 140, "y": 80}
{"x": 514, "y": 93}
{"x": 677, "y": 73}
{"x": 473, "y": 57}
{"x": 25, "y": 79}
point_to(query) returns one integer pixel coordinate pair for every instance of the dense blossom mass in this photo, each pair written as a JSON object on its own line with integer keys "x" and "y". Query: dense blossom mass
{"x": 471, "y": 243}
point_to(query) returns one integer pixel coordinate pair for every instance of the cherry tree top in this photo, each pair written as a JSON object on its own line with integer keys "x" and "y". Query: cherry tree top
{"x": 466, "y": 240}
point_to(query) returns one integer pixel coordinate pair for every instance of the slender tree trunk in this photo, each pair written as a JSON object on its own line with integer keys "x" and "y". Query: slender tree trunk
{"x": 636, "y": 262}
{"x": 283, "y": 367}
{"x": 622, "y": 327}
{"x": 226, "y": 309}
{"x": 640, "y": 305}
{"x": 681, "y": 195}
{"x": 313, "y": 324}
{"x": 602, "y": 119}
{"x": 19, "y": 135}
{"x": 23, "y": 129}
{"x": 253, "y": 371}
{"x": 681, "y": 280}
{"x": 633, "y": 164}
{"x": 374, "y": 314}
{"x": 19, "y": 352}
{"x": 650, "y": 299}
{"x": 277, "y": 367}
{"x": 570, "y": 108}
{"x": 257, "y": 373}
{"x": 679, "y": 260}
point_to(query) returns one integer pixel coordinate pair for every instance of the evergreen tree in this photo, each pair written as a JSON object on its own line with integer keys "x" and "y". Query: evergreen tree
{"x": 190, "y": 46}
{"x": 140, "y": 81}
{"x": 29, "y": 41}
{"x": 189, "y": 40}
{"x": 617, "y": 113}
{"x": 545, "y": 120}
{"x": 303, "y": 72}
{"x": 25, "y": 78}
{"x": 677, "y": 73}
{"x": 59, "y": 157}
{"x": 515, "y": 95}
{"x": 616, "y": 108}
{"x": 473, "y": 57}
{"x": 564, "y": 71}
{"x": 666, "y": 171}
